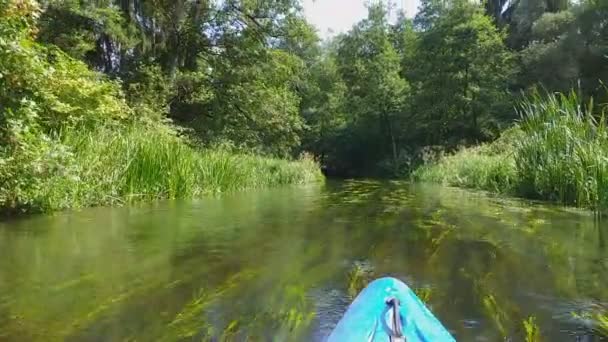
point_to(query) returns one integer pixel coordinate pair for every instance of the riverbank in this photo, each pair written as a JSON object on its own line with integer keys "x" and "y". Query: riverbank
{"x": 557, "y": 152}
{"x": 120, "y": 165}
{"x": 72, "y": 137}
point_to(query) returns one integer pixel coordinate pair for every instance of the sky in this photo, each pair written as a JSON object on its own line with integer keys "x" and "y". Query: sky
{"x": 340, "y": 15}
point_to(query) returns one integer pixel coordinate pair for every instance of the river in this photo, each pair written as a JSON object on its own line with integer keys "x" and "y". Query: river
{"x": 283, "y": 264}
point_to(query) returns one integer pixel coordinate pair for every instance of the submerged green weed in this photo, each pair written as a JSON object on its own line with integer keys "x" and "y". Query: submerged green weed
{"x": 359, "y": 276}
{"x": 532, "y": 330}
{"x": 597, "y": 319}
{"x": 424, "y": 293}
{"x": 601, "y": 320}
{"x": 498, "y": 316}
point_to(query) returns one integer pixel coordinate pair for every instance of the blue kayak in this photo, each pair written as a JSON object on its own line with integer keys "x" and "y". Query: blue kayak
{"x": 372, "y": 316}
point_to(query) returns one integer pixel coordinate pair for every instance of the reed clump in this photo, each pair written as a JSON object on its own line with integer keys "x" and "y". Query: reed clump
{"x": 115, "y": 165}
{"x": 558, "y": 151}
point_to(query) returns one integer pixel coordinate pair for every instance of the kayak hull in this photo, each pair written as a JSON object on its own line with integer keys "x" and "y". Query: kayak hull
{"x": 366, "y": 318}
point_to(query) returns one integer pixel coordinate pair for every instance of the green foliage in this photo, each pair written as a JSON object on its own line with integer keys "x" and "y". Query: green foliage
{"x": 44, "y": 93}
{"x": 86, "y": 30}
{"x": 558, "y": 152}
{"x": 376, "y": 93}
{"x": 562, "y": 45}
{"x": 68, "y": 137}
{"x": 227, "y": 70}
{"x": 254, "y": 107}
{"x": 64, "y": 92}
{"x": 253, "y": 77}
{"x": 323, "y": 110}
{"x": 461, "y": 78}
{"x": 149, "y": 92}
{"x": 563, "y": 155}
{"x": 114, "y": 165}
{"x": 472, "y": 168}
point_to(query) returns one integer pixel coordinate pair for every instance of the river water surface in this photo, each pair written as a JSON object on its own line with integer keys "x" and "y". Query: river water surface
{"x": 283, "y": 265}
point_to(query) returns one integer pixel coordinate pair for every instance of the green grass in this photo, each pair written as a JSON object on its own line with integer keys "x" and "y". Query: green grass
{"x": 488, "y": 167}
{"x": 472, "y": 168}
{"x": 564, "y": 155}
{"x": 114, "y": 165}
{"x": 557, "y": 152}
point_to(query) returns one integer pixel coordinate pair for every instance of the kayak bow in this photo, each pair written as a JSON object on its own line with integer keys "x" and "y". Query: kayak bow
{"x": 373, "y": 316}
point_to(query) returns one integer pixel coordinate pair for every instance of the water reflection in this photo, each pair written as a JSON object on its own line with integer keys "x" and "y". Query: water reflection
{"x": 283, "y": 264}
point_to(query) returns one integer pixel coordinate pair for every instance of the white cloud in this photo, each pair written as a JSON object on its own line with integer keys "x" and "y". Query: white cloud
{"x": 340, "y": 15}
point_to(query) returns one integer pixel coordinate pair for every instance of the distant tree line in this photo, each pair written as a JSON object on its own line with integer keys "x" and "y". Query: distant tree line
{"x": 254, "y": 75}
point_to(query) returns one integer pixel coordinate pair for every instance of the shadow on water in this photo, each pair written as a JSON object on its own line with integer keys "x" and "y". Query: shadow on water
{"x": 284, "y": 264}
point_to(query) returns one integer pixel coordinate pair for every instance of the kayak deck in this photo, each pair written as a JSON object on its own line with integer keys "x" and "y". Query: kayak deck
{"x": 369, "y": 316}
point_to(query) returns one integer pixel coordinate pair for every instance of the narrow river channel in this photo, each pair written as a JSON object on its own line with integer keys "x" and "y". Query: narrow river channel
{"x": 283, "y": 264}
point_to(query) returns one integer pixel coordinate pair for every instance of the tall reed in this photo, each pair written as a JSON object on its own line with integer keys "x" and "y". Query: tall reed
{"x": 114, "y": 165}
{"x": 558, "y": 152}
{"x": 473, "y": 168}
{"x": 564, "y": 154}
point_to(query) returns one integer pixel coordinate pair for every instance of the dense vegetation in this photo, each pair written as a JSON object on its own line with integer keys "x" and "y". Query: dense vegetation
{"x": 81, "y": 78}
{"x": 69, "y": 136}
{"x": 557, "y": 152}
{"x": 557, "y": 149}
{"x": 108, "y": 101}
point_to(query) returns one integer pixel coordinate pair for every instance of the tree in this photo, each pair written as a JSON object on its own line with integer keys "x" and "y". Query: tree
{"x": 405, "y": 41}
{"x": 323, "y": 109}
{"x": 230, "y": 70}
{"x": 462, "y": 77}
{"x": 525, "y": 13}
{"x": 551, "y": 58}
{"x": 428, "y": 12}
{"x": 370, "y": 68}
{"x": 567, "y": 49}
{"x": 592, "y": 22}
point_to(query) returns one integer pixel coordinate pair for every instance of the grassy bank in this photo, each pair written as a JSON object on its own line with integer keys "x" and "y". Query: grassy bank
{"x": 557, "y": 152}
{"x": 480, "y": 167}
{"x": 107, "y": 167}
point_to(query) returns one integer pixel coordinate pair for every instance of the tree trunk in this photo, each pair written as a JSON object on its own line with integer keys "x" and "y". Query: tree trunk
{"x": 393, "y": 141}
{"x": 465, "y": 93}
{"x": 394, "y": 146}
{"x": 175, "y": 43}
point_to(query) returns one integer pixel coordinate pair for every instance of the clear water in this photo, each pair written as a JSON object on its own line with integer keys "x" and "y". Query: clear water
{"x": 283, "y": 265}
